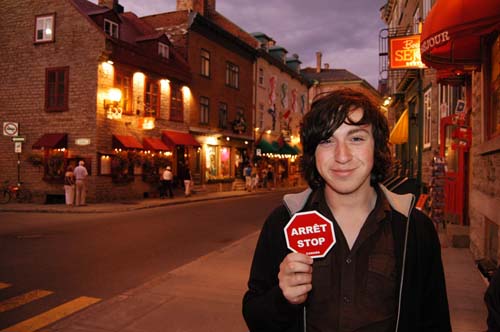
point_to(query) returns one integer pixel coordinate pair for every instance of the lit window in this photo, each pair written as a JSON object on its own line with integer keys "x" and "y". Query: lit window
{"x": 204, "y": 110}
{"x": 111, "y": 28}
{"x": 123, "y": 82}
{"x": 44, "y": 31}
{"x": 176, "y": 103}
{"x": 232, "y": 75}
{"x": 205, "y": 63}
{"x": 152, "y": 99}
{"x": 163, "y": 50}
{"x": 427, "y": 118}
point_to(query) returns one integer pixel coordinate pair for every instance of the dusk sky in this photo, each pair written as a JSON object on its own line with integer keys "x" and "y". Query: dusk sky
{"x": 345, "y": 31}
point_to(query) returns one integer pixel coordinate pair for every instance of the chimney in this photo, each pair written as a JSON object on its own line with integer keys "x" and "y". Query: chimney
{"x": 327, "y": 66}
{"x": 111, "y": 4}
{"x": 318, "y": 62}
{"x": 204, "y": 7}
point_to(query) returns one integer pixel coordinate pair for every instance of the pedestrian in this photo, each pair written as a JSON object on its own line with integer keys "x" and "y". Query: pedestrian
{"x": 254, "y": 175}
{"x": 187, "y": 180}
{"x": 264, "y": 177}
{"x": 168, "y": 178}
{"x": 69, "y": 186}
{"x": 247, "y": 171}
{"x": 492, "y": 300}
{"x": 384, "y": 272}
{"x": 81, "y": 175}
{"x": 270, "y": 177}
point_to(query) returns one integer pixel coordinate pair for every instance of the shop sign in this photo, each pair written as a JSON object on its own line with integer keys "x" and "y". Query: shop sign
{"x": 310, "y": 233}
{"x": 10, "y": 128}
{"x": 82, "y": 141}
{"x": 404, "y": 52}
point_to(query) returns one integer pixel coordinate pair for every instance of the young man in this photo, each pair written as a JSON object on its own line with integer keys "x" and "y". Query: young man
{"x": 384, "y": 272}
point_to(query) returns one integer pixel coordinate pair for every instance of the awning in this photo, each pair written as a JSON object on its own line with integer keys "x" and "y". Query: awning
{"x": 126, "y": 142}
{"x": 171, "y": 138}
{"x": 451, "y": 33}
{"x": 399, "y": 133}
{"x": 266, "y": 147}
{"x": 284, "y": 148}
{"x": 155, "y": 144}
{"x": 51, "y": 141}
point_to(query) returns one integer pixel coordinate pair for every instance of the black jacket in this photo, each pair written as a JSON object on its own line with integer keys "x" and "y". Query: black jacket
{"x": 422, "y": 293}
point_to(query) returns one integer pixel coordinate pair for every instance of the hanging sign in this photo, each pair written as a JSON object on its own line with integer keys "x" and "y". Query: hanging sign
{"x": 310, "y": 233}
{"x": 404, "y": 52}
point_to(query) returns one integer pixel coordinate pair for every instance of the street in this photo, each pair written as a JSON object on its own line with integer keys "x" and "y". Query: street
{"x": 49, "y": 259}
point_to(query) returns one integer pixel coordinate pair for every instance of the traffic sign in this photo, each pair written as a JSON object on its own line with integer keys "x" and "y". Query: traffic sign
{"x": 11, "y": 128}
{"x": 18, "y": 139}
{"x": 18, "y": 147}
{"x": 310, "y": 233}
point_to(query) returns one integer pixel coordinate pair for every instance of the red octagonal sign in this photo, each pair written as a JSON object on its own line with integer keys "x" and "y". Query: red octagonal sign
{"x": 310, "y": 233}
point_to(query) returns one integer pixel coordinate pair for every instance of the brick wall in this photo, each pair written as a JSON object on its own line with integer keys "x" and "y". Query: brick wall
{"x": 23, "y": 64}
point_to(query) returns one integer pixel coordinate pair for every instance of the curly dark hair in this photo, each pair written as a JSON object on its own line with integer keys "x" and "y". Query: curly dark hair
{"x": 328, "y": 112}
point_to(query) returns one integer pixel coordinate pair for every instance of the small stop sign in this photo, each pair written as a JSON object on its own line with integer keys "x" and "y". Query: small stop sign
{"x": 310, "y": 233}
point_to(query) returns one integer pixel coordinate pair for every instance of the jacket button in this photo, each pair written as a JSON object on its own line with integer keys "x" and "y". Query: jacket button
{"x": 347, "y": 300}
{"x": 348, "y": 260}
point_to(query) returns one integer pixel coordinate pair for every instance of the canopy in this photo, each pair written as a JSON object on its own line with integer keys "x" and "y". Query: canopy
{"x": 51, "y": 141}
{"x": 399, "y": 134}
{"x": 285, "y": 148}
{"x": 156, "y": 144}
{"x": 126, "y": 142}
{"x": 451, "y": 33}
{"x": 266, "y": 147}
{"x": 172, "y": 138}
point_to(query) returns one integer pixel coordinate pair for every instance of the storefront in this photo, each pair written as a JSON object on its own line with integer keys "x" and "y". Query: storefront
{"x": 460, "y": 40}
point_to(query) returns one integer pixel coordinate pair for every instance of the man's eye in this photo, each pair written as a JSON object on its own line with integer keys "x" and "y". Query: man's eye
{"x": 326, "y": 141}
{"x": 358, "y": 139}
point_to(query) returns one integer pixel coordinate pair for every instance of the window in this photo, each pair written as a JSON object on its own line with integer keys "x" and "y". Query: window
{"x": 152, "y": 99}
{"x": 204, "y": 110}
{"x": 223, "y": 116}
{"x": 260, "y": 121}
{"x": 427, "y": 118}
{"x": 124, "y": 83}
{"x": 111, "y": 28}
{"x": 232, "y": 75}
{"x": 205, "y": 63}
{"x": 44, "y": 28}
{"x": 56, "y": 89}
{"x": 427, "y": 5}
{"x": 176, "y": 103}
{"x": 492, "y": 76}
{"x": 163, "y": 50}
{"x": 261, "y": 76}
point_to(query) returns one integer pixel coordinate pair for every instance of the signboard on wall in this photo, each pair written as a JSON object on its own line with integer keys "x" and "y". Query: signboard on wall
{"x": 404, "y": 52}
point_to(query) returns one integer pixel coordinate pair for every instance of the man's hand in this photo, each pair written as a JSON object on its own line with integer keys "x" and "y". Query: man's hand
{"x": 295, "y": 277}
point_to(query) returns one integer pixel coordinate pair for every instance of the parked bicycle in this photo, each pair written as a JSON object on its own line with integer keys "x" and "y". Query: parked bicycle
{"x": 10, "y": 191}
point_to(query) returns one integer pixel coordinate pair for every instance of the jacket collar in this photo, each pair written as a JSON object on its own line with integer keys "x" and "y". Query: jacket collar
{"x": 401, "y": 203}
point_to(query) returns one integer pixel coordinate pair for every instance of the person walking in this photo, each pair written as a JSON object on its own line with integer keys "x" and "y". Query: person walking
{"x": 187, "y": 180}
{"x": 247, "y": 171}
{"x": 270, "y": 177}
{"x": 81, "y": 175}
{"x": 168, "y": 178}
{"x": 384, "y": 272}
{"x": 69, "y": 186}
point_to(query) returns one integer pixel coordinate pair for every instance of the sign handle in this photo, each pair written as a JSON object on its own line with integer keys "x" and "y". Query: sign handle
{"x": 18, "y": 169}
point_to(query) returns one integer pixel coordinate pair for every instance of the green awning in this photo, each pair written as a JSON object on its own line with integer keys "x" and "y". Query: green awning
{"x": 284, "y": 149}
{"x": 266, "y": 147}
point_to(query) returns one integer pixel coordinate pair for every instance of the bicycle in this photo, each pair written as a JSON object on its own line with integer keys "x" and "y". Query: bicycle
{"x": 10, "y": 191}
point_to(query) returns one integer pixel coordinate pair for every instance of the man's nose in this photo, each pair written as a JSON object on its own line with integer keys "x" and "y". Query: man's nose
{"x": 342, "y": 152}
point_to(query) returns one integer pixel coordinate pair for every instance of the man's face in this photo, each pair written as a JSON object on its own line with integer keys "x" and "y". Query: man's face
{"x": 345, "y": 160}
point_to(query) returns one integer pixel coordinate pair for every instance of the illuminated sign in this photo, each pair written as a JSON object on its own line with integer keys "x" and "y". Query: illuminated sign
{"x": 405, "y": 52}
{"x": 82, "y": 141}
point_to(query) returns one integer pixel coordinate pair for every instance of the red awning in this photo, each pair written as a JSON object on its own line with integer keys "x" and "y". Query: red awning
{"x": 177, "y": 138}
{"x": 154, "y": 144}
{"x": 51, "y": 141}
{"x": 126, "y": 142}
{"x": 451, "y": 33}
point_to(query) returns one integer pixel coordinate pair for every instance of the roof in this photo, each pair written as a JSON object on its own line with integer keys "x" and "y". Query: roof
{"x": 330, "y": 75}
{"x": 233, "y": 29}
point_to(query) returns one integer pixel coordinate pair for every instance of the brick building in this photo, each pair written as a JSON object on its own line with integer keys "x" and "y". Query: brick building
{"x": 87, "y": 81}
{"x": 281, "y": 102}
{"x": 222, "y": 57}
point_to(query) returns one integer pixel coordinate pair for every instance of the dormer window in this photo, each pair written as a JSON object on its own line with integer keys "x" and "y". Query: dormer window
{"x": 44, "y": 30}
{"x": 163, "y": 50}
{"x": 111, "y": 28}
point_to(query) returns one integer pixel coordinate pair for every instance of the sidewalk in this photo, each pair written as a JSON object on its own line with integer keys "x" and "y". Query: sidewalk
{"x": 206, "y": 294}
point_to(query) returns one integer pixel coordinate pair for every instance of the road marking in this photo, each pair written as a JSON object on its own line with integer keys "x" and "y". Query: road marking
{"x": 53, "y": 315}
{"x": 19, "y": 300}
{"x": 4, "y": 285}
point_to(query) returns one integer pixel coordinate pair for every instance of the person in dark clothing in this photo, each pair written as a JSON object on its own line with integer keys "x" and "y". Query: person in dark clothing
{"x": 385, "y": 271}
{"x": 492, "y": 300}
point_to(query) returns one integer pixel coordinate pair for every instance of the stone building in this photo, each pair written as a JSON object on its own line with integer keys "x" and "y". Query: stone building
{"x": 221, "y": 56}
{"x": 462, "y": 42}
{"x": 281, "y": 102}
{"x": 88, "y": 82}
